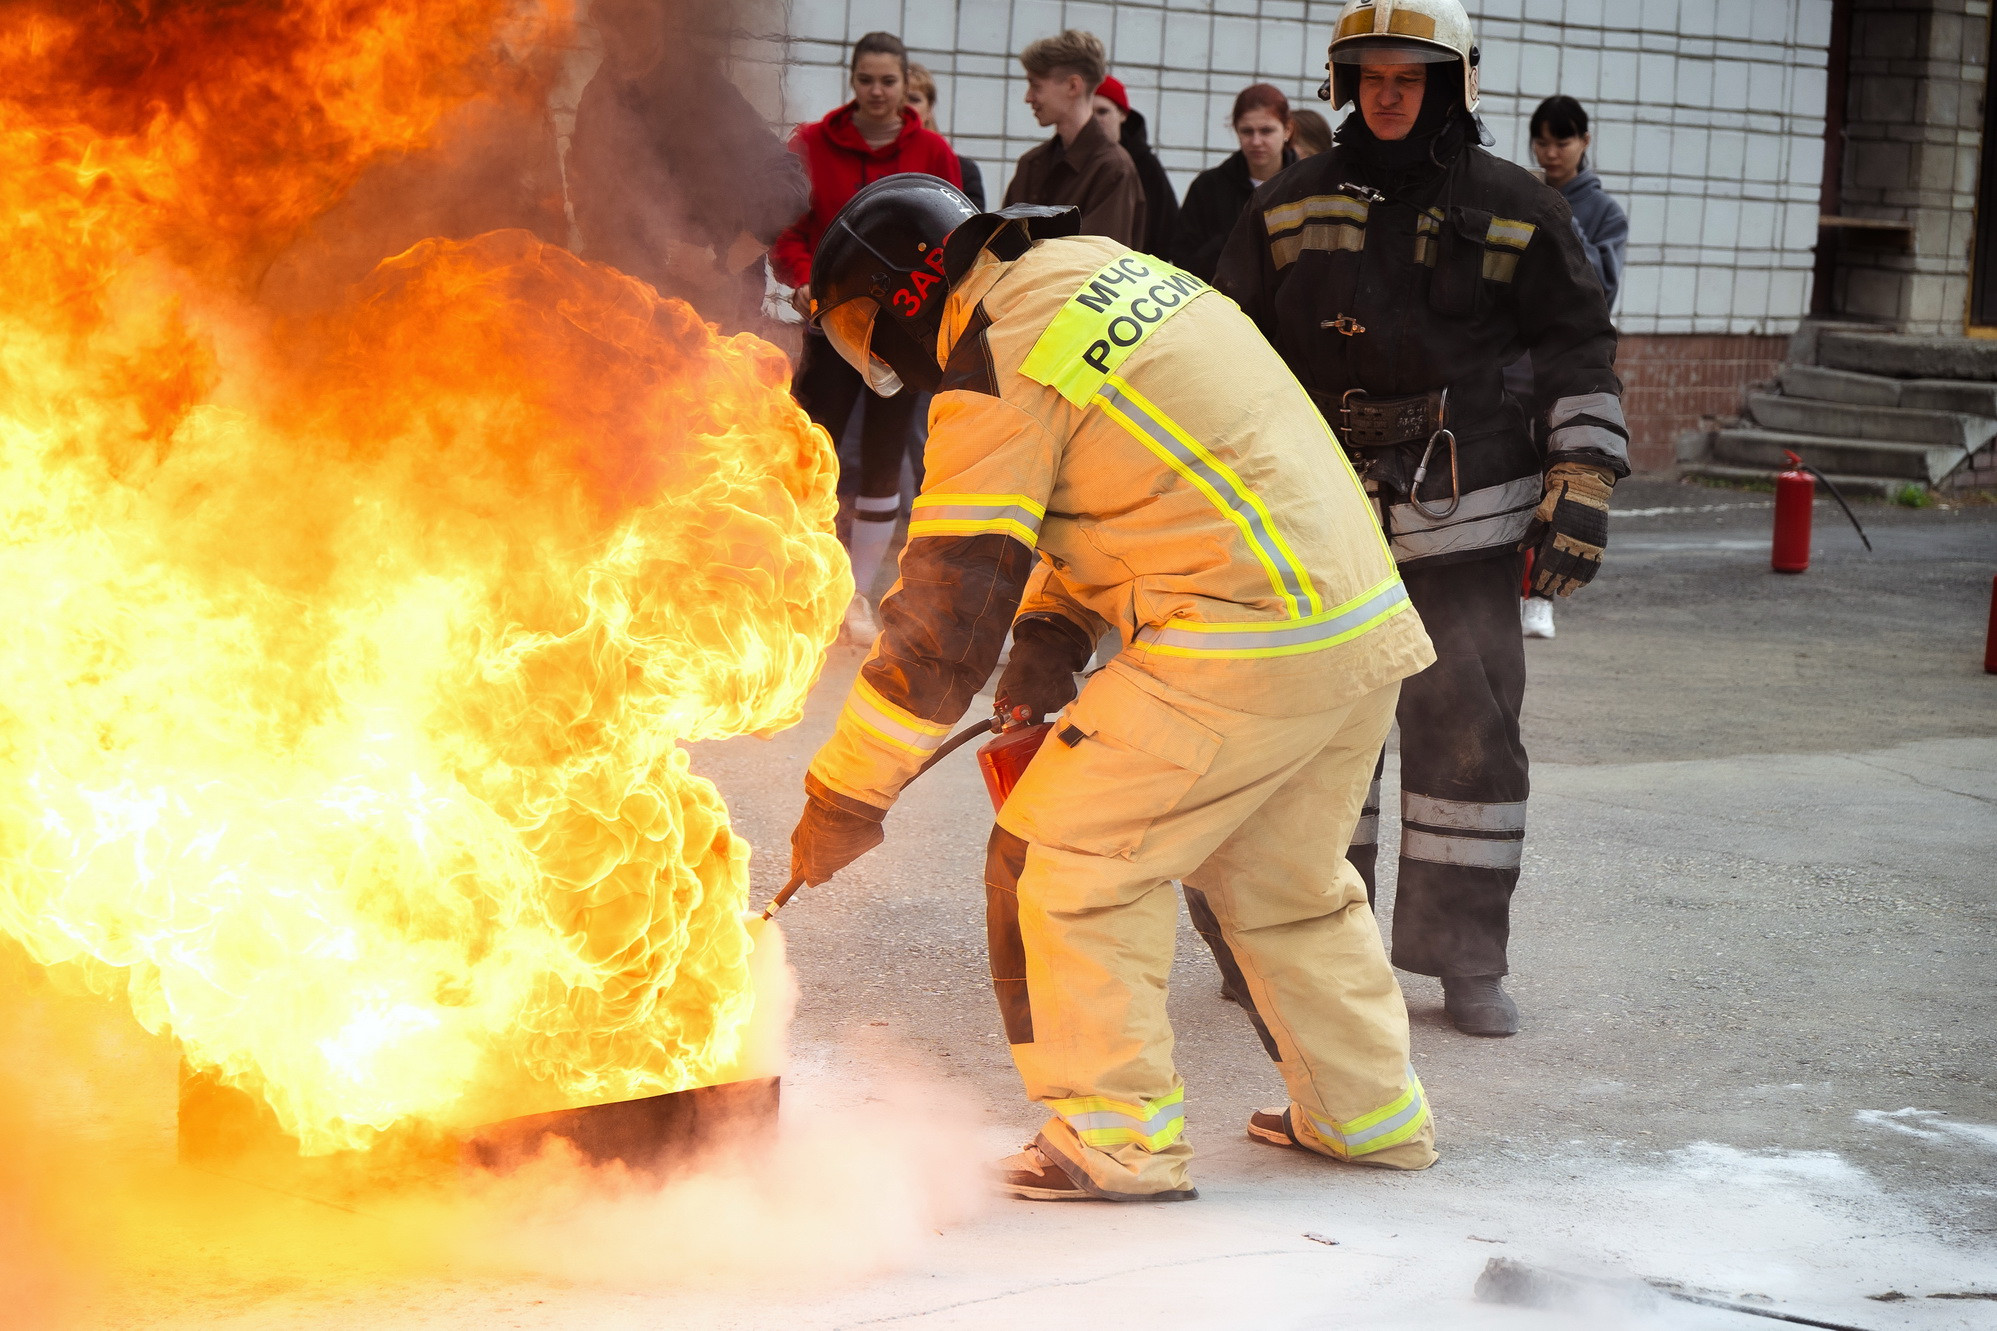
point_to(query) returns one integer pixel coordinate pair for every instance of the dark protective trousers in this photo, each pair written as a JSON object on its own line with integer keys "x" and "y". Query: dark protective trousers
{"x": 1463, "y": 775}
{"x": 828, "y": 389}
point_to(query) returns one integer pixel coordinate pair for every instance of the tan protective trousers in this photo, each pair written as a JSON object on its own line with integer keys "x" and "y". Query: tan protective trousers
{"x": 1142, "y": 783}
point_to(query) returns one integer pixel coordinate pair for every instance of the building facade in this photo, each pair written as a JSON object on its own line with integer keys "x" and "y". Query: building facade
{"x": 1781, "y": 161}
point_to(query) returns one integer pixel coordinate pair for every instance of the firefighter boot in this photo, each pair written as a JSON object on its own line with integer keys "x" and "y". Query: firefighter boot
{"x": 1479, "y": 1005}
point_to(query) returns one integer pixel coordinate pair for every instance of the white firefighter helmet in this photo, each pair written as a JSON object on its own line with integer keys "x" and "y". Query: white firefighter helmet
{"x": 1399, "y": 32}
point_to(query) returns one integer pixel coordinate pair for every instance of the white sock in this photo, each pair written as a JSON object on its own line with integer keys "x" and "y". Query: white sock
{"x": 873, "y": 529}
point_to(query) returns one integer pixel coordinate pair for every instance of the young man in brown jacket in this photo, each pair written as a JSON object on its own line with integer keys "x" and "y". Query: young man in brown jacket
{"x": 1081, "y": 167}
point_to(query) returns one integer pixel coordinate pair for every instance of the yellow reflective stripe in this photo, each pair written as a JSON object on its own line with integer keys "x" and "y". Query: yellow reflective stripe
{"x": 1103, "y": 1122}
{"x": 1509, "y": 233}
{"x": 1316, "y": 208}
{"x": 888, "y": 723}
{"x": 1391, "y": 1124}
{"x": 1105, "y": 321}
{"x": 1223, "y": 488}
{"x": 1319, "y": 236}
{"x": 1294, "y": 637}
{"x": 1017, "y": 516}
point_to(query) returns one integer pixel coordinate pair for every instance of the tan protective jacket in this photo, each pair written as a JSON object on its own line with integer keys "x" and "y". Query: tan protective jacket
{"x": 1128, "y": 426}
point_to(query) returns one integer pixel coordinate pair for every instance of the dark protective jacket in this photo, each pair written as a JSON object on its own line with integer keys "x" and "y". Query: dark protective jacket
{"x": 1437, "y": 288}
{"x": 1091, "y": 175}
{"x": 1213, "y": 205}
{"x": 1161, "y": 201}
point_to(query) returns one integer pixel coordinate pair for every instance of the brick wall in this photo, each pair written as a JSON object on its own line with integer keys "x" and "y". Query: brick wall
{"x": 1684, "y": 381}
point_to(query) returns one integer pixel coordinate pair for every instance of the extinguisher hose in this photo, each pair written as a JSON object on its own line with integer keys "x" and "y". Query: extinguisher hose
{"x": 1835, "y": 494}
{"x": 943, "y": 750}
{"x": 956, "y": 742}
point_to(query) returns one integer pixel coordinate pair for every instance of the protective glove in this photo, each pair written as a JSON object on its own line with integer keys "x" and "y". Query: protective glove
{"x": 828, "y": 838}
{"x": 1570, "y": 528}
{"x": 1041, "y": 674}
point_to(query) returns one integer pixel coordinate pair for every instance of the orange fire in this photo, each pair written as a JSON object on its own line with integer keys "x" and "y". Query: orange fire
{"x": 348, "y": 658}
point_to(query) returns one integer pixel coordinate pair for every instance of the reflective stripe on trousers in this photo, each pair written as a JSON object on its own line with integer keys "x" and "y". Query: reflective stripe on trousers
{"x": 1105, "y": 1123}
{"x": 1389, "y": 1125}
{"x": 1367, "y": 833}
{"x": 1462, "y": 832}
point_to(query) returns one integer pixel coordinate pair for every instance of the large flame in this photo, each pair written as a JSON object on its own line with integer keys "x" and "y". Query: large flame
{"x": 347, "y": 662}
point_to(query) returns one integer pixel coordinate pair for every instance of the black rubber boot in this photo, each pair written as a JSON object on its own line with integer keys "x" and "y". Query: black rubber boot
{"x": 1479, "y": 1005}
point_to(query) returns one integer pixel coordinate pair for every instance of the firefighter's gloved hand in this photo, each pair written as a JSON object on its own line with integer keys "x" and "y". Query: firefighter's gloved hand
{"x": 1041, "y": 674}
{"x": 1570, "y": 528}
{"x": 828, "y": 838}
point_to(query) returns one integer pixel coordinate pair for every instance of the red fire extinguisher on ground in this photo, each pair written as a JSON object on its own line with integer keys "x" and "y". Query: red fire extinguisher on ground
{"x": 1990, "y": 635}
{"x": 1795, "y": 495}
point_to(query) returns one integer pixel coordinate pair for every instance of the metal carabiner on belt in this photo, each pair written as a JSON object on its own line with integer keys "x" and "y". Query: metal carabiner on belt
{"x": 1442, "y": 430}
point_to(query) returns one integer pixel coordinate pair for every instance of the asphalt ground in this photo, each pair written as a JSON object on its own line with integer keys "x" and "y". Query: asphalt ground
{"x": 1753, "y": 948}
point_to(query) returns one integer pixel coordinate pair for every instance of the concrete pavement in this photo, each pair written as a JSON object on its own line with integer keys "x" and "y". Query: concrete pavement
{"x": 1753, "y": 947}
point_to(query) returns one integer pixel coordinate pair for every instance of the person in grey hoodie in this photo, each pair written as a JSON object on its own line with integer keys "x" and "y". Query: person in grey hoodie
{"x": 1560, "y": 142}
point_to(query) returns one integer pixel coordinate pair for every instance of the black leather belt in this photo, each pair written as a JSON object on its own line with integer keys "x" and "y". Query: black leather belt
{"x": 1365, "y": 421}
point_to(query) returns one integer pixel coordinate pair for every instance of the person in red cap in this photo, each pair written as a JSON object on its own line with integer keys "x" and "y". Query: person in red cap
{"x": 1126, "y": 127}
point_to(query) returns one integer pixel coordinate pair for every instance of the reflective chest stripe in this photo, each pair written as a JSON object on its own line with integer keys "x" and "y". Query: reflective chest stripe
{"x": 1127, "y": 300}
{"x": 1222, "y": 487}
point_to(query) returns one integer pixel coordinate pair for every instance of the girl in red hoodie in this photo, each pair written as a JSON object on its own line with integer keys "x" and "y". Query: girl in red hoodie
{"x": 872, "y": 136}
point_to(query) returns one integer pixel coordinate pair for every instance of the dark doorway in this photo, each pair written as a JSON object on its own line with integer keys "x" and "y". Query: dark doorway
{"x": 1983, "y": 266}
{"x": 1830, "y": 200}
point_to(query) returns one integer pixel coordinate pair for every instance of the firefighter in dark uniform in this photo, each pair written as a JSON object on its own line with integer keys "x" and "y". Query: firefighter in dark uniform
{"x": 1398, "y": 274}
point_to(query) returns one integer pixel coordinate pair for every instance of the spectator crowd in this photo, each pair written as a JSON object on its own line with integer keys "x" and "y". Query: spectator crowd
{"x": 723, "y": 216}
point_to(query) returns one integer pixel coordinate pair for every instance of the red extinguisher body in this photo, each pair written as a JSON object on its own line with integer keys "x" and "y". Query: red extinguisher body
{"x": 1003, "y": 760}
{"x": 1795, "y": 495}
{"x": 1990, "y": 636}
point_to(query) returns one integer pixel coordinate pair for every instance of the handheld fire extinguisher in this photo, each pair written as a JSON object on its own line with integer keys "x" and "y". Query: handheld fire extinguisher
{"x": 1795, "y": 497}
{"x": 1003, "y": 762}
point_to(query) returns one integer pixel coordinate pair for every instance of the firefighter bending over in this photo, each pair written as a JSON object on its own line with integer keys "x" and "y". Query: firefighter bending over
{"x": 1113, "y": 444}
{"x": 1398, "y": 274}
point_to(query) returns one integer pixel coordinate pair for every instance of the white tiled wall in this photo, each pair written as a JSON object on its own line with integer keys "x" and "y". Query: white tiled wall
{"x": 1708, "y": 113}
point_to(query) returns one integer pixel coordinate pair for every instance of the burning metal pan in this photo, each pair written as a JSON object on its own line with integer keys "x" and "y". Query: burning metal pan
{"x": 231, "y": 1133}
{"x": 658, "y": 1134}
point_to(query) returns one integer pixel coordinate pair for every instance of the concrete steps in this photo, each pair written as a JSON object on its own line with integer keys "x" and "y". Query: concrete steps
{"x": 1877, "y": 390}
{"x": 1852, "y": 487}
{"x": 1844, "y": 420}
{"x": 1875, "y": 411}
{"x": 1899, "y": 357}
{"x": 1889, "y": 462}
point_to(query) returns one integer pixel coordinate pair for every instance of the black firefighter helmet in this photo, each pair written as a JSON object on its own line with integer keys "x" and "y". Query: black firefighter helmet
{"x": 899, "y": 245}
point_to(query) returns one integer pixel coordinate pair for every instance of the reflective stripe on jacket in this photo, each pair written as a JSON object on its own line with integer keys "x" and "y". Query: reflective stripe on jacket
{"x": 1125, "y": 424}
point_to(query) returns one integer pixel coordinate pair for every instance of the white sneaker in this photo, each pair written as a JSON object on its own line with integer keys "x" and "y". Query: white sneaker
{"x": 1536, "y": 617}
{"x": 861, "y": 626}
